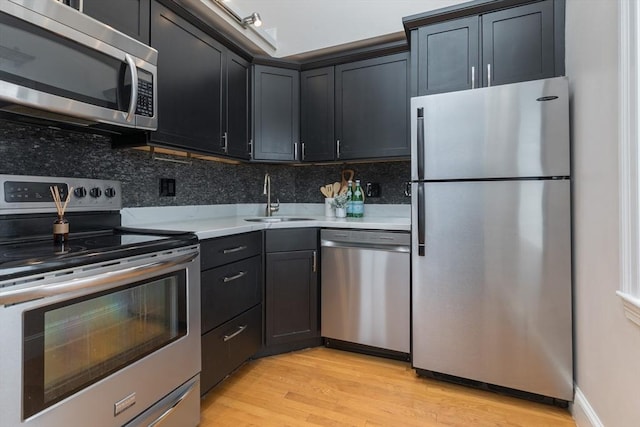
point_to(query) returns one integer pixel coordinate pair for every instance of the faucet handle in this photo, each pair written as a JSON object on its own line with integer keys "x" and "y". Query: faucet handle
{"x": 275, "y": 206}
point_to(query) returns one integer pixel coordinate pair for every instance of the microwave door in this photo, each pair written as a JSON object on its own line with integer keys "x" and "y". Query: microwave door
{"x": 58, "y": 72}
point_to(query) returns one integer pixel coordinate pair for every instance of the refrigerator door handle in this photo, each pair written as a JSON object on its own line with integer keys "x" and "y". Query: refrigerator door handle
{"x": 421, "y": 221}
{"x": 420, "y": 136}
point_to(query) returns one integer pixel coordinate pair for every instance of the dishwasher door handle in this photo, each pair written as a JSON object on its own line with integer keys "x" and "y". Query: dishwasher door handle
{"x": 372, "y": 246}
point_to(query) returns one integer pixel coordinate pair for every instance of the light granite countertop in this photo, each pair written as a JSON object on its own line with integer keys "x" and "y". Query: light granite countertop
{"x": 223, "y": 220}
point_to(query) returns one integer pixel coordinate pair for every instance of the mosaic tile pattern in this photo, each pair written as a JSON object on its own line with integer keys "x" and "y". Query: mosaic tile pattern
{"x": 34, "y": 150}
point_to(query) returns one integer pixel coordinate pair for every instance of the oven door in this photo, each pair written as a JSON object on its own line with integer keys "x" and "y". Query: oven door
{"x": 101, "y": 343}
{"x": 58, "y": 64}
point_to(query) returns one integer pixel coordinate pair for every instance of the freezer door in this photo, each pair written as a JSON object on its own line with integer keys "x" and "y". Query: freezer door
{"x": 491, "y": 297}
{"x": 506, "y": 131}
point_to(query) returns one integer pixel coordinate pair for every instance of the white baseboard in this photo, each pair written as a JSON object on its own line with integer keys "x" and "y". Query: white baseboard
{"x": 583, "y": 413}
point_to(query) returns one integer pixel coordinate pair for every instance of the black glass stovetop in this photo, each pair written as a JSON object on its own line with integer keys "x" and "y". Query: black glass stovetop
{"x": 20, "y": 257}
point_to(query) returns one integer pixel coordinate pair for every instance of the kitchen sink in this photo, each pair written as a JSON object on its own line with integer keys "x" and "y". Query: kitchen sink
{"x": 277, "y": 219}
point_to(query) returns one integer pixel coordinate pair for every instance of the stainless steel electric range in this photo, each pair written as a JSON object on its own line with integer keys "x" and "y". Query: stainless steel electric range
{"x": 100, "y": 328}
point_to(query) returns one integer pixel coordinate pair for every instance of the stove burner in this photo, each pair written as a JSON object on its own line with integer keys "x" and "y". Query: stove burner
{"x": 28, "y": 251}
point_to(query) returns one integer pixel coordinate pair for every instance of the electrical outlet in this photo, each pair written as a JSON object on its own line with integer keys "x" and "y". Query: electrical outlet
{"x": 167, "y": 187}
{"x": 372, "y": 189}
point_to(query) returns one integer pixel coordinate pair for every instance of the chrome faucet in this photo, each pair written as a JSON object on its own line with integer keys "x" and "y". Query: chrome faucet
{"x": 271, "y": 207}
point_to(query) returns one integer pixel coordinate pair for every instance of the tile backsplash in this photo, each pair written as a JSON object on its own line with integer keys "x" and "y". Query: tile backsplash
{"x": 34, "y": 150}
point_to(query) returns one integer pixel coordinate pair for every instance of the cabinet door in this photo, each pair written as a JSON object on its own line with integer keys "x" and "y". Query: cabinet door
{"x": 237, "y": 107}
{"x": 447, "y": 55}
{"x": 372, "y": 108}
{"x": 317, "y": 114}
{"x": 291, "y": 296}
{"x": 518, "y": 44}
{"x": 276, "y": 107}
{"x": 129, "y": 16}
{"x": 190, "y": 67}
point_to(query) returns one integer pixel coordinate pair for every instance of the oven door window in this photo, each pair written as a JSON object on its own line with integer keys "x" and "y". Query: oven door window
{"x": 71, "y": 345}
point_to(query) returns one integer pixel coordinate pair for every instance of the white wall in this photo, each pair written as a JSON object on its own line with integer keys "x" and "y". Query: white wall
{"x": 607, "y": 343}
{"x": 309, "y": 25}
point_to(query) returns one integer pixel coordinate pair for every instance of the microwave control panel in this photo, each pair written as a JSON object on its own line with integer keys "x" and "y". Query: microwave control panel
{"x": 144, "y": 105}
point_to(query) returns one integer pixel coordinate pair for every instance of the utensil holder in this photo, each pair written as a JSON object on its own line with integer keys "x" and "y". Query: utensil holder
{"x": 329, "y": 211}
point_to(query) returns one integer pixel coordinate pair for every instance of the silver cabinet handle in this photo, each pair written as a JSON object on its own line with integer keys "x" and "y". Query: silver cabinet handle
{"x": 131, "y": 114}
{"x": 228, "y": 279}
{"x": 232, "y": 250}
{"x": 250, "y": 148}
{"x": 489, "y": 75}
{"x": 304, "y": 153}
{"x": 178, "y": 401}
{"x": 106, "y": 279}
{"x": 240, "y": 330}
{"x": 473, "y": 77}
{"x": 315, "y": 261}
{"x": 225, "y": 143}
{"x": 338, "y": 148}
{"x": 295, "y": 151}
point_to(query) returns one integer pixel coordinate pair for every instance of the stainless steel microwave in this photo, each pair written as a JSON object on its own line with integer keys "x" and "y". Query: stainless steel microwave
{"x": 57, "y": 64}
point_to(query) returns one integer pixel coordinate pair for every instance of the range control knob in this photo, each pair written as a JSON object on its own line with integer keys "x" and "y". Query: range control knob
{"x": 95, "y": 192}
{"x": 110, "y": 192}
{"x": 80, "y": 192}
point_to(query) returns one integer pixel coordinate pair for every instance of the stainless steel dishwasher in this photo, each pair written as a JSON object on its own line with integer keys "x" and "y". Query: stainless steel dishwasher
{"x": 365, "y": 288}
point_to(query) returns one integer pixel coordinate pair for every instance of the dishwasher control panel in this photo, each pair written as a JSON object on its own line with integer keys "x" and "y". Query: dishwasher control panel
{"x": 392, "y": 238}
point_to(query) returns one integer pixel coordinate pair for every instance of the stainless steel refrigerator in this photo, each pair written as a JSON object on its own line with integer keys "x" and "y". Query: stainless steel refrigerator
{"x": 491, "y": 236}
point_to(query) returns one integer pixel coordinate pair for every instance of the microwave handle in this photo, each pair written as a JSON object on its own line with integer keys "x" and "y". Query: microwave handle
{"x": 134, "y": 87}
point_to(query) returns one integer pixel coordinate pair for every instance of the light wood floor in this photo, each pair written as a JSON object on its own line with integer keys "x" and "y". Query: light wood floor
{"x": 326, "y": 387}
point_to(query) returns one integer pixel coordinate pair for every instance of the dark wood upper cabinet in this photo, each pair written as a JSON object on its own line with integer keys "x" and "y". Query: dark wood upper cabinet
{"x": 508, "y": 45}
{"x": 129, "y": 16}
{"x": 447, "y": 56}
{"x": 317, "y": 114}
{"x": 190, "y": 71}
{"x": 203, "y": 89}
{"x": 237, "y": 98}
{"x": 372, "y": 103}
{"x": 276, "y": 113}
{"x": 518, "y": 44}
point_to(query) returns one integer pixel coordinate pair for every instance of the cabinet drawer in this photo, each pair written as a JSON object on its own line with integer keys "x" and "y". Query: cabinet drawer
{"x": 229, "y": 290}
{"x": 215, "y": 252}
{"x": 228, "y": 346}
{"x": 291, "y": 239}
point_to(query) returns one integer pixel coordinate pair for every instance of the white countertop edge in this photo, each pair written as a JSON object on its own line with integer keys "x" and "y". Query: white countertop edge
{"x": 207, "y": 228}
{"x": 223, "y": 220}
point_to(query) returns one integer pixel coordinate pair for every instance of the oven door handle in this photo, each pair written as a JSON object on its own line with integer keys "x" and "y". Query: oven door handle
{"x": 10, "y": 296}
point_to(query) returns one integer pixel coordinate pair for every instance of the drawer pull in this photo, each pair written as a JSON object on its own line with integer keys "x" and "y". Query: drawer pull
{"x": 232, "y": 250}
{"x": 236, "y": 277}
{"x": 240, "y": 330}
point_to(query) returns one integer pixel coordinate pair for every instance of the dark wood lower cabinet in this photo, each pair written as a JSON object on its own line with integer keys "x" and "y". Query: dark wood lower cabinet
{"x": 292, "y": 297}
{"x": 229, "y": 345}
{"x": 231, "y": 289}
{"x": 291, "y": 290}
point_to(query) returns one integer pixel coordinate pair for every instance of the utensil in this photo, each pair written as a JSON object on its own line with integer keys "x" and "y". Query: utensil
{"x": 324, "y": 191}
{"x": 347, "y": 175}
{"x": 336, "y": 188}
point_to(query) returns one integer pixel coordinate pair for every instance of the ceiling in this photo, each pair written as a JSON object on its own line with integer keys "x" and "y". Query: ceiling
{"x": 304, "y": 29}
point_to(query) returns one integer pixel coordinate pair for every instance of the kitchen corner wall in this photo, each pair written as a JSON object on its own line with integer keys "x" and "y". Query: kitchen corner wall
{"x": 35, "y": 150}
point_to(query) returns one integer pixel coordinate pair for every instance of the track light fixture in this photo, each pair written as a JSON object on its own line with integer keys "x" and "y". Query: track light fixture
{"x": 253, "y": 19}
